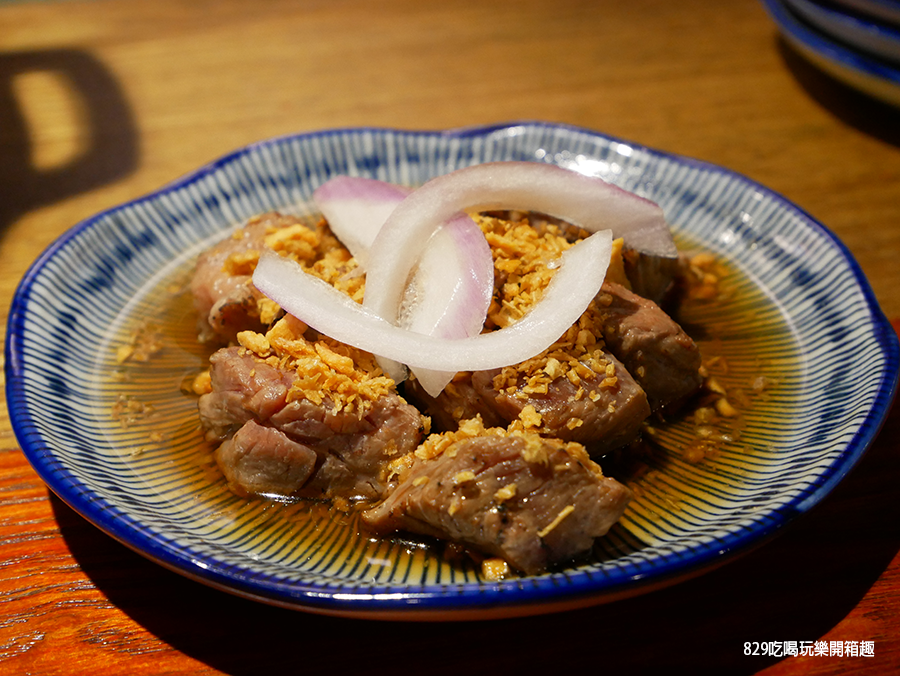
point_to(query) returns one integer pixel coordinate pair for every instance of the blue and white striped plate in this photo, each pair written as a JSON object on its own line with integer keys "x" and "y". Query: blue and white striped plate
{"x": 119, "y": 441}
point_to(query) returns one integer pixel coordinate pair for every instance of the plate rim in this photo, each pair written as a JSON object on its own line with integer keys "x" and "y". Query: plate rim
{"x": 536, "y": 594}
{"x": 874, "y": 10}
{"x": 868, "y": 74}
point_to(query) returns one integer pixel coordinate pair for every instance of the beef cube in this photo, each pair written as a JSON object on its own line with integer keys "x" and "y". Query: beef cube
{"x": 458, "y": 401}
{"x": 353, "y": 450}
{"x": 535, "y": 502}
{"x": 603, "y": 409}
{"x": 352, "y": 446}
{"x": 243, "y": 388}
{"x": 224, "y": 296}
{"x": 652, "y": 277}
{"x": 261, "y": 460}
{"x": 663, "y": 359}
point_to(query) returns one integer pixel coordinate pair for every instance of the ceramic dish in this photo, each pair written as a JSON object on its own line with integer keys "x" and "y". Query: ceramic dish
{"x": 860, "y": 33}
{"x": 118, "y": 440}
{"x": 879, "y": 10}
{"x": 872, "y": 76}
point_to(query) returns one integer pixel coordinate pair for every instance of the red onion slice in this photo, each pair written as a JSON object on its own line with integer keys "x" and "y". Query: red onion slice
{"x": 585, "y": 201}
{"x": 451, "y": 288}
{"x": 321, "y": 306}
{"x": 450, "y": 291}
{"x": 356, "y": 208}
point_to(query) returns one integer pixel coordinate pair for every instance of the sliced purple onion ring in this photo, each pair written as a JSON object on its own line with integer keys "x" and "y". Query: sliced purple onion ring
{"x": 324, "y": 308}
{"x": 355, "y": 208}
{"x": 450, "y": 290}
{"x": 584, "y": 201}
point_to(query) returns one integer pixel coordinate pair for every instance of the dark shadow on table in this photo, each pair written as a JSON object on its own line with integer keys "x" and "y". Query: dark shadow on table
{"x": 111, "y": 148}
{"x": 797, "y": 587}
{"x": 861, "y": 111}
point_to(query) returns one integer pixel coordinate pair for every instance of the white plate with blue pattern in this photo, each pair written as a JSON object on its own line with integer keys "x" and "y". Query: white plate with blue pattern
{"x": 117, "y": 438}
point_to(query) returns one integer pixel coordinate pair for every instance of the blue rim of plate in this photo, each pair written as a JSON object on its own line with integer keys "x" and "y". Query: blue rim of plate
{"x": 282, "y": 169}
{"x": 867, "y": 74}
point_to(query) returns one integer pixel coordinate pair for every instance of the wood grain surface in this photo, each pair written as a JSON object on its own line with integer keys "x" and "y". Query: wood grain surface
{"x": 102, "y": 101}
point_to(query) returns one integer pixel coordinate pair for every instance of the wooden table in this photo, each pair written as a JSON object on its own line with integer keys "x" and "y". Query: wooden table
{"x": 102, "y": 101}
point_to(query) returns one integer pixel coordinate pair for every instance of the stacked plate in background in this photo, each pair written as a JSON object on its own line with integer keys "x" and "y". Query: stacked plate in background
{"x": 856, "y": 41}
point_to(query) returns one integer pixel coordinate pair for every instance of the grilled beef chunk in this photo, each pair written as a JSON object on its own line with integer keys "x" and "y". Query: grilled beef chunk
{"x": 351, "y": 449}
{"x": 261, "y": 460}
{"x": 458, "y": 401}
{"x": 656, "y": 366}
{"x": 654, "y": 348}
{"x": 652, "y": 277}
{"x": 243, "y": 388}
{"x": 225, "y": 300}
{"x": 602, "y": 417}
{"x": 533, "y": 501}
